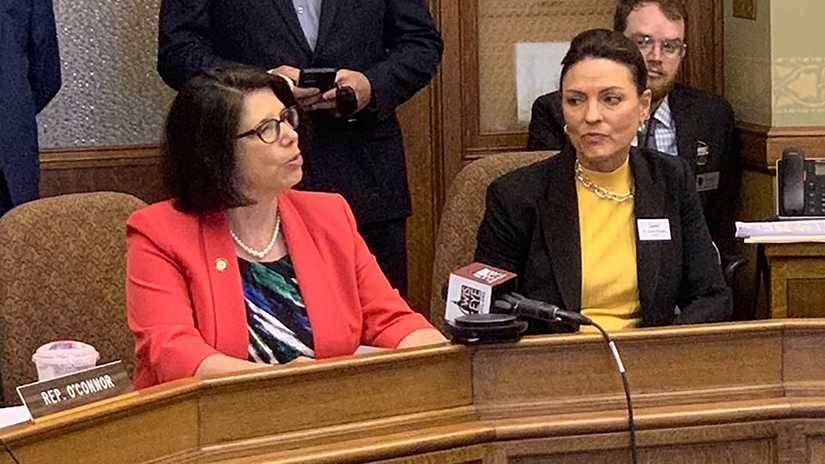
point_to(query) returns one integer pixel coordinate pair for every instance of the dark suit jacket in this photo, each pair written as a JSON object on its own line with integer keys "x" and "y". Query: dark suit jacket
{"x": 531, "y": 228}
{"x": 698, "y": 116}
{"x": 393, "y": 42}
{"x": 29, "y": 78}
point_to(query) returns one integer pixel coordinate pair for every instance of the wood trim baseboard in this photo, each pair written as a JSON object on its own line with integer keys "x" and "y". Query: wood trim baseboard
{"x": 132, "y": 169}
{"x": 97, "y": 157}
{"x": 762, "y": 145}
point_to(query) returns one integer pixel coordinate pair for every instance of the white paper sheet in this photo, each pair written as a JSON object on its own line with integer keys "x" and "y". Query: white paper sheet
{"x": 13, "y": 415}
{"x": 538, "y": 67}
{"x": 781, "y": 228}
{"x": 787, "y": 239}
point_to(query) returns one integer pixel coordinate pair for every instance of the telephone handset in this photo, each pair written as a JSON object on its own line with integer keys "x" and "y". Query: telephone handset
{"x": 800, "y": 185}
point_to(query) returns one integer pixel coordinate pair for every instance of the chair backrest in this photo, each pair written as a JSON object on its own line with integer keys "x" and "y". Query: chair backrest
{"x": 455, "y": 243}
{"x": 62, "y": 277}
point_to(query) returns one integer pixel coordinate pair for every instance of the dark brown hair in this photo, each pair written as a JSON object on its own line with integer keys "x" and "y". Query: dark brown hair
{"x": 673, "y": 10}
{"x": 610, "y": 45}
{"x": 198, "y": 148}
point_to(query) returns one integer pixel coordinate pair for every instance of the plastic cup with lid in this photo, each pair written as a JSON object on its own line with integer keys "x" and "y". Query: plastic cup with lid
{"x": 63, "y": 357}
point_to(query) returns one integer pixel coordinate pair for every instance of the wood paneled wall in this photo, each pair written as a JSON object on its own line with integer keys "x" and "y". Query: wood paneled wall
{"x": 130, "y": 169}
{"x": 762, "y": 146}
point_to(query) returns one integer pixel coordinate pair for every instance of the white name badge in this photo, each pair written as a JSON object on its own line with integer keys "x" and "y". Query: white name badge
{"x": 707, "y": 181}
{"x": 653, "y": 229}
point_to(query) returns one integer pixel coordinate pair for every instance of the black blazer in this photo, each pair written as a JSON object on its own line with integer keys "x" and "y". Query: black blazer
{"x": 531, "y": 227}
{"x": 393, "y": 42}
{"x": 698, "y": 116}
{"x": 29, "y": 78}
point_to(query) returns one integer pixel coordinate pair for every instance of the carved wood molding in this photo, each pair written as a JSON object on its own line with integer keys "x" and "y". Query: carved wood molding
{"x": 95, "y": 157}
{"x": 132, "y": 169}
{"x": 762, "y": 145}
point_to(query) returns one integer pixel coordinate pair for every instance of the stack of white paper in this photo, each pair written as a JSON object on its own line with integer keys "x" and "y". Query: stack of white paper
{"x": 13, "y": 415}
{"x": 782, "y": 231}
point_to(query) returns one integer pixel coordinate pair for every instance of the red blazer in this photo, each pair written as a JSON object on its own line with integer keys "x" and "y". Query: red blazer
{"x": 184, "y": 297}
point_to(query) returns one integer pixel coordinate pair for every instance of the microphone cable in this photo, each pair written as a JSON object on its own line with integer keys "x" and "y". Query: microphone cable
{"x": 517, "y": 304}
{"x": 532, "y": 308}
{"x": 626, "y": 384}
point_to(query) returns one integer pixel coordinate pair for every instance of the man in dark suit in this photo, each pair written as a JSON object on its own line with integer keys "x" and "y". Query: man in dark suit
{"x": 695, "y": 125}
{"x": 385, "y": 51}
{"x": 29, "y": 79}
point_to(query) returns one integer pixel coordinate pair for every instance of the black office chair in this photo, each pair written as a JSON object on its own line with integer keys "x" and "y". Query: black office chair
{"x": 730, "y": 266}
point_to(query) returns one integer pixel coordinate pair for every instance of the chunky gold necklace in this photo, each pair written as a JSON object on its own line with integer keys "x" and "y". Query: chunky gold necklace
{"x": 601, "y": 192}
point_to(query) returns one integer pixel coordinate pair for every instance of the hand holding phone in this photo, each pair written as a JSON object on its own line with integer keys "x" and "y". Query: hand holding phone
{"x": 352, "y": 92}
{"x": 320, "y": 78}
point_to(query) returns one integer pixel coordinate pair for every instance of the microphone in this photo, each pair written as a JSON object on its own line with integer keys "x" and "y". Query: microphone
{"x": 513, "y": 303}
{"x": 473, "y": 288}
{"x": 501, "y": 326}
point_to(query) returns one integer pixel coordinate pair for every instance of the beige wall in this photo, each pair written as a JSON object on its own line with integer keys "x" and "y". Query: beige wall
{"x": 798, "y": 55}
{"x": 775, "y": 65}
{"x": 748, "y": 64}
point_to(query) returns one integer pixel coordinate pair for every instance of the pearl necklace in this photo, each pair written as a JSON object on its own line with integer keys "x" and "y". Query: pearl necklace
{"x": 262, "y": 253}
{"x": 600, "y": 191}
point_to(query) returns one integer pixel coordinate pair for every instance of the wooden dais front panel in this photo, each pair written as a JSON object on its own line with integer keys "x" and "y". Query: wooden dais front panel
{"x": 797, "y": 281}
{"x": 716, "y": 394}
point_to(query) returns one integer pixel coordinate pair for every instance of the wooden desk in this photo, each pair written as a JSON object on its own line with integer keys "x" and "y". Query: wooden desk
{"x": 729, "y": 393}
{"x": 797, "y": 279}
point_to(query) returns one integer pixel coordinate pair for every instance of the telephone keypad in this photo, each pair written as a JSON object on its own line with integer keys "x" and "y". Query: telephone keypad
{"x": 814, "y": 188}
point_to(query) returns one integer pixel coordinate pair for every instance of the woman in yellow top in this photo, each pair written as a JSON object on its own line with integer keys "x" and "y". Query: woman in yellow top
{"x": 613, "y": 231}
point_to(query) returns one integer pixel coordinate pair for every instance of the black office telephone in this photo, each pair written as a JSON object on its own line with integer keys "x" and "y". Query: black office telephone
{"x": 800, "y": 185}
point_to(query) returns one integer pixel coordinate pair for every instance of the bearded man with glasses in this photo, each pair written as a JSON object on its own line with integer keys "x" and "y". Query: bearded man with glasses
{"x": 686, "y": 122}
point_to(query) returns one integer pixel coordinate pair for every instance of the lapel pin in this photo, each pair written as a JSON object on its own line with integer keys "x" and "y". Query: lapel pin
{"x": 701, "y": 153}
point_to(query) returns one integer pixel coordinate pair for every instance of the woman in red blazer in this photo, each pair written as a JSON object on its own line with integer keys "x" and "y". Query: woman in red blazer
{"x": 238, "y": 269}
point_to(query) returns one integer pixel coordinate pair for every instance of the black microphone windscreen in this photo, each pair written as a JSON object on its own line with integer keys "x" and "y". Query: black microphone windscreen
{"x": 502, "y": 306}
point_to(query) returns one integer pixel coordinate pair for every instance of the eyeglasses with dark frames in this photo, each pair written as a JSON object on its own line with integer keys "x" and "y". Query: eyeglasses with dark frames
{"x": 269, "y": 130}
{"x": 670, "y": 47}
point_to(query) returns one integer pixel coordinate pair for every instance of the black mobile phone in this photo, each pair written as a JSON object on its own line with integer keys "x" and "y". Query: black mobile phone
{"x": 320, "y": 78}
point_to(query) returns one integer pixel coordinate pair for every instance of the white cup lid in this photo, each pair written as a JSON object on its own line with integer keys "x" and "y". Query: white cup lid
{"x": 64, "y": 349}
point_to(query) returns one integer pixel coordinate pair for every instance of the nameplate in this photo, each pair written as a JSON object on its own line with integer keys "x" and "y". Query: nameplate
{"x": 73, "y": 390}
{"x": 707, "y": 181}
{"x": 653, "y": 229}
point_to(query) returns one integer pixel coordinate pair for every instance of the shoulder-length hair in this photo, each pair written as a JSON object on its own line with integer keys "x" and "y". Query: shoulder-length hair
{"x": 199, "y": 138}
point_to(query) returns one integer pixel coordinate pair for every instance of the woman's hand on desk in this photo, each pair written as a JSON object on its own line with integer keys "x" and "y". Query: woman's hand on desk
{"x": 422, "y": 337}
{"x": 217, "y": 364}
{"x": 221, "y": 364}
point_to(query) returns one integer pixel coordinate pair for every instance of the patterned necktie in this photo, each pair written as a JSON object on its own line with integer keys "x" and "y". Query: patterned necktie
{"x": 650, "y": 134}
